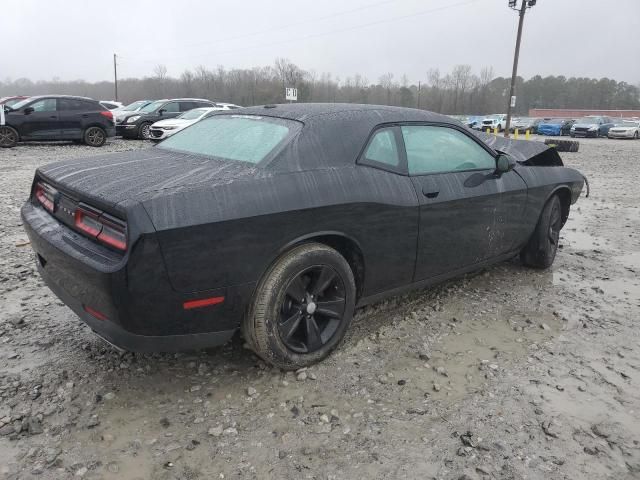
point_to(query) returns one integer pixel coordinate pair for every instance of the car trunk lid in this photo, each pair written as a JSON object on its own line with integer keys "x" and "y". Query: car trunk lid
{"x": 107, "y": 181}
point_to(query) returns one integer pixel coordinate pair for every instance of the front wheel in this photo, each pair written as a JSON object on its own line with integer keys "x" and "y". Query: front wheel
{"x": 145, "y": 131}
{"x": 8, "y": 136}
{"x": 302, "y": 307}
{"x": 635, "y": 135}
{"x": 95, "y": 136}
{"x": 542, "y": 247}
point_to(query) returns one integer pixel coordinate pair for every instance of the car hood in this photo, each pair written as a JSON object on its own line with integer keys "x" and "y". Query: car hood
{"x": 119, "y": 178}
{"x": 526, "y": 152}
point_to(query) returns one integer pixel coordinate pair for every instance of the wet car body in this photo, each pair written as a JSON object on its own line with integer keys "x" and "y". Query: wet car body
{"x": 200, "y": 232}
{"x": 591, "y": 126}
{"x": 556, "y": 126}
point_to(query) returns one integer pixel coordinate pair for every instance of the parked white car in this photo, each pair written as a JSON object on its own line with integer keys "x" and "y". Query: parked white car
{"x": 119, "y": 114}
{"x": 497, "y": 120}
{"x": 165, "y": 128}
{"x": 625, "y": 129}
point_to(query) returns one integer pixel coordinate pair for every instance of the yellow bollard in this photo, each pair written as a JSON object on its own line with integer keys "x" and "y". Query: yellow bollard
{"x": 527, "y": 134}
{"x": 515, "y": 133}
{"x": 495, "y": 130}
{"x": 488, "y": 130}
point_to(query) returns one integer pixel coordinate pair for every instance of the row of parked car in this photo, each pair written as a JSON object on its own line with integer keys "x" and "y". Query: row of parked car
{"x": 88, "y": 121}
{"x": 589, "y": 126}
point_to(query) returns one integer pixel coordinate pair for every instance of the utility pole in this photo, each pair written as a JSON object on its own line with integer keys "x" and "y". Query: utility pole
{"x": 512, "y": 99}
{"x": 115, "y": 76}
{"x": 419, "y": 85}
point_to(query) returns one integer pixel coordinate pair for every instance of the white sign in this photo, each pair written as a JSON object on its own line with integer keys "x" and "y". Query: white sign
{"x": 1, "y": 115}
{"x": 291, "y": 94}
{"x": 513, "y": 101}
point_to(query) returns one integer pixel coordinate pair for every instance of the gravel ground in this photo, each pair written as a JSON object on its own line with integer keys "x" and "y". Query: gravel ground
{"x": 509, "y": 373}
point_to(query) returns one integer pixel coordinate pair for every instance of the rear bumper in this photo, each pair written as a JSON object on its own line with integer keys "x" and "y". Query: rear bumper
{"x": 121, "y": 338}
{"x": 137, "y": 310}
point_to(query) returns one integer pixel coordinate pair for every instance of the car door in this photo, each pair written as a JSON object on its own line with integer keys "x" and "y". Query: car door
{"x": 72, "y": 112}
{"x": 41, "y": 120}
{"x": 465, "y": 207}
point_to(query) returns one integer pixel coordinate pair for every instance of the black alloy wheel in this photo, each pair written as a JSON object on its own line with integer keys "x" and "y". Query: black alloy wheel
{"x": 540, "y": 251}
{"x": 95, "y": 137}
{"x": 8, "y": 137}
{"x": 555, "y": 225}
{"x": 312, "y": 309}
{"x": 302, "y": 307}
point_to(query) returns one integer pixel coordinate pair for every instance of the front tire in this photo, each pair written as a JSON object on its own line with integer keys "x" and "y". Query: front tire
{"x": 302, "y": 307}
{"x": 542, "y": 247}
{"x": 144, "y": 131}
{"x": 8, "y": 136}
{"x": 95, "y": 136}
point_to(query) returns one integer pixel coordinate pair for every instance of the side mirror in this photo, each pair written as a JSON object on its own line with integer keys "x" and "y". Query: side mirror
{"x": 28, "y": 110}
{"x": 504, "y": 164}
{"x": 161, "y": 111}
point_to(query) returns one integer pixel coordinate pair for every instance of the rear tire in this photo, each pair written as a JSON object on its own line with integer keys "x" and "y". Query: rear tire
{"x": 542, "y": 247}
{"x": 302, "y": 307}
{"x": 94, "y": 136}
{"x": 8, "y": 136}
{"x": 635, "y": 136}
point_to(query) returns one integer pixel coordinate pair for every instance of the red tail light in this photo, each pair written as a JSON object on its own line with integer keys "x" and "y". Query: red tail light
{"x": 102, "y": 227}
{"x": 45, "y": 195}
{"x": 108, "y": 114}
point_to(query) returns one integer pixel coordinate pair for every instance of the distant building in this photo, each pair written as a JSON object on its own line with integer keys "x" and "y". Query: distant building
{"x": 577, "y": 113}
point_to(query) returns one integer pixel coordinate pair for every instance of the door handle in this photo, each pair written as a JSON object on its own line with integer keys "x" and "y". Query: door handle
{"x": 430, "y": 194}
{"x": 53, "y": 116}
{"x": 85, "y": 115}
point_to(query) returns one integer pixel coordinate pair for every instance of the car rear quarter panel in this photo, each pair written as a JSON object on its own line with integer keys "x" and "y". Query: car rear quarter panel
{"x": 230, "y": 234}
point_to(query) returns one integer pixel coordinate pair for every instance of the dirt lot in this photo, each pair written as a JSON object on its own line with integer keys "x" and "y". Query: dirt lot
{"x": 508, "y": 373}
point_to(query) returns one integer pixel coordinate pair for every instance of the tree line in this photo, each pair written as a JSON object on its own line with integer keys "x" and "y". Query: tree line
{"x": 459, "y": 91}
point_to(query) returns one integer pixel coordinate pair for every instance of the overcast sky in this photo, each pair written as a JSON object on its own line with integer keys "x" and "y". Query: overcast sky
{"x": 75, "y": 39}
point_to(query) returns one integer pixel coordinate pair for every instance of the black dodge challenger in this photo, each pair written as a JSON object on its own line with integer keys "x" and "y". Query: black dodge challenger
{"x": 280, "y": 221}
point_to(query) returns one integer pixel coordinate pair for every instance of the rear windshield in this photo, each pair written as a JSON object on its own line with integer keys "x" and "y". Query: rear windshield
{"x": 248, "y": 138}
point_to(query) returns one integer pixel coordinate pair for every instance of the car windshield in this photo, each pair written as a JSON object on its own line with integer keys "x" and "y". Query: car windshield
{"x": 152, "y": 106}
{"x": 247, "y": 138}
{"x": 555, "y": 121}
{"x": 132, "y": 107}
{"x": 588, "y": 120}
{"x": 495, "y": 117}
{"x": 628, "y": 124}
{"x": 193, "y": 114}
{"x": 12, "y": 102}
{"x": 20, "y": 104}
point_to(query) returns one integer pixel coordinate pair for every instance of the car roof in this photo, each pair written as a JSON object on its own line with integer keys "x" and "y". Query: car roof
{"x": 35, "y": 97}
{"x": 316, "y": 111}
{"x": 341, "y": 128}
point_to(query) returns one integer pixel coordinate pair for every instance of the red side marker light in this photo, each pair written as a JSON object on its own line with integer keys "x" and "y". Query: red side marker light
{"x": 204, "y": 302}
{"x": 94, "y": 313}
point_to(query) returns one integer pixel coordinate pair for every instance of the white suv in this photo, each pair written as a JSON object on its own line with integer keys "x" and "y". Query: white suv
{"x": 499, "y": 121}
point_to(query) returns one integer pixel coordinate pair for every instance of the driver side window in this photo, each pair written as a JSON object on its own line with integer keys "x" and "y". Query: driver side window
{"x": 44, "y": 105}
{"x": 432, "y": 149}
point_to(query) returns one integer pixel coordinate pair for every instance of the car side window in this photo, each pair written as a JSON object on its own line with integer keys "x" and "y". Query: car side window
{"x": 44, "y": 105}
{"x": 432, "y": 149}
{"x": 171, "y": 107}
{"x": 186, "y": 106}
{"x": 66, "y": 104}
{"x": 383, "y": 148}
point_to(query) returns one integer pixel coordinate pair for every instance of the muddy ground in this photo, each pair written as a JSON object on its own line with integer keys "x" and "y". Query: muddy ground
{"x": 509, "y": 373}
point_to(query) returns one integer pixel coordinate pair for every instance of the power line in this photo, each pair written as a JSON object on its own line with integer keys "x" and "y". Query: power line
{"x": 329, "y": 32}
{"x": 279, "y": 27}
